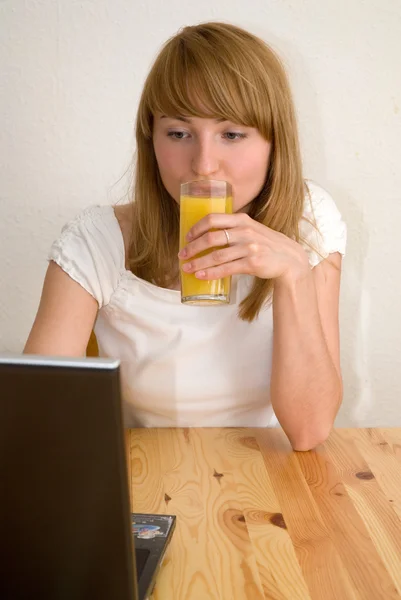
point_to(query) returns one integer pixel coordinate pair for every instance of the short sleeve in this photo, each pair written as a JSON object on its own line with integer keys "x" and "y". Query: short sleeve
{"x": 322, "y": 228}
{"x": 90, "y": 250}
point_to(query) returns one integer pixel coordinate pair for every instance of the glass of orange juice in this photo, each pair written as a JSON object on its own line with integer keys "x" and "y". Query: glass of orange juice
{"x": 197, "y": 200}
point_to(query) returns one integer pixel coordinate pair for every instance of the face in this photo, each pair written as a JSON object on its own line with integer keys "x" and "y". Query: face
{"x": 196, "y": 148}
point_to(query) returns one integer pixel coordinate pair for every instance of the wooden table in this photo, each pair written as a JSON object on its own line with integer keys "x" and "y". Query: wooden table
{"x": 257, "y": 520}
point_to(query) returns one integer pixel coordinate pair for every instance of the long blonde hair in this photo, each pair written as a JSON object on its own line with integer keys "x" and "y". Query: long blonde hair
{"x": 239, "y": 78}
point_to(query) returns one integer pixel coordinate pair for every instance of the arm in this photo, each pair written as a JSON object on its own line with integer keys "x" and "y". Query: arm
{"x": 306, "y": 386}
{"x": 65, "y": 318}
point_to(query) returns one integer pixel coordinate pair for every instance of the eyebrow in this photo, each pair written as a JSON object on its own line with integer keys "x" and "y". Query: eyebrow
{"x": 187, "y": 120}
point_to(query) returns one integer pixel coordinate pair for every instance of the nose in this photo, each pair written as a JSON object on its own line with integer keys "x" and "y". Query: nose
{"x": 205, "y": 161}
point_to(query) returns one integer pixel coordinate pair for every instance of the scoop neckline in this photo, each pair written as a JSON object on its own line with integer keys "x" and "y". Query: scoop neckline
{"x": 156, "y": 288}
{"x": 129, "y": 273}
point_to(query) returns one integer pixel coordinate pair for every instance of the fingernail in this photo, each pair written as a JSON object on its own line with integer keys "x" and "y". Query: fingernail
{"x": 182, "y": 253}
{"x": 189, "y": 236}
{"x": 200, "y": 274}
{"x": 187, "y": 267}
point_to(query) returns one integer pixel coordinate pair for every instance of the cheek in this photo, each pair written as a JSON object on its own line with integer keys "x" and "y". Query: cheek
{"x": 169, "y": 166}
{"x": 168, "y": 158}
{"x": 250, "y": 175}
{"x": 162, "y": 155}
{"x": 252, "y": 168}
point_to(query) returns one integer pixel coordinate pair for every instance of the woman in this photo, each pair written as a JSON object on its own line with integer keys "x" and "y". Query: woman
{"x": 216, "y": 105}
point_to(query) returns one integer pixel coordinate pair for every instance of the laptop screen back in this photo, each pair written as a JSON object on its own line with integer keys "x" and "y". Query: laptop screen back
{"x": 65, "y": 521}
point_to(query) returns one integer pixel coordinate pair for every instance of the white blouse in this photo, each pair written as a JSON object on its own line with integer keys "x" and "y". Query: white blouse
{"x": 182, "y": 366}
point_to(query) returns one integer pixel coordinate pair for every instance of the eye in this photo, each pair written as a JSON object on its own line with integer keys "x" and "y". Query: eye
{"x": 177, "y": 135}
{"x": 232, "y": 136}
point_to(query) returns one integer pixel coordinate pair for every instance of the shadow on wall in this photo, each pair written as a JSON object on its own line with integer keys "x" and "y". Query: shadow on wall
{"x": 355, "y": 300}
{"x": 354, "y": 317}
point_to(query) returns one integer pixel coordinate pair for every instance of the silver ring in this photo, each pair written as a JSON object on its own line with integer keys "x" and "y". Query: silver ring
{"x": 227, "y": 236}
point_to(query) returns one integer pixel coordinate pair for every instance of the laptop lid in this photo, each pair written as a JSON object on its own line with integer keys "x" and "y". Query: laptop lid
{"x": 65, "y": 523}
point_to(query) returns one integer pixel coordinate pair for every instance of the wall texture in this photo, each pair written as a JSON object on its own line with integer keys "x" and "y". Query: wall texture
{"x": 71, "y": 75}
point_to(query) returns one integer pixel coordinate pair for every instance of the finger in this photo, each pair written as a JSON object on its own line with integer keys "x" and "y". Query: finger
{"x": 217, "y": 221}
{"x": 216, "y": 257}
{"x": 215, "y": 239}
{"x": 210, "y": 239}
{"x": 235, "y": 267}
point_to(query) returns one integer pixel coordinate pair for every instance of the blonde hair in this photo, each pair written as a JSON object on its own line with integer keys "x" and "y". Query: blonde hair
{"x": 238, "y": 77}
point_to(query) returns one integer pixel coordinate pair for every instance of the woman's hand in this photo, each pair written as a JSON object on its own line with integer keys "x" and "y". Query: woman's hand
{"x": 253, "y": 249}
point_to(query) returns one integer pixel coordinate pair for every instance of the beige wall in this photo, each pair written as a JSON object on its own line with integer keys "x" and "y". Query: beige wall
{"x": 71, "y": 75}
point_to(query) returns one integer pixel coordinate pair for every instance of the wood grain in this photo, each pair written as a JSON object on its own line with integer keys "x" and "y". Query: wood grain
{"x": 256, "y": 520}
{"x": 281, "y": 575}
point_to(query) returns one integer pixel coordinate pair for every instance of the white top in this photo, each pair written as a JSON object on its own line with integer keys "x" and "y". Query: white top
{"x": 182, "y": 366}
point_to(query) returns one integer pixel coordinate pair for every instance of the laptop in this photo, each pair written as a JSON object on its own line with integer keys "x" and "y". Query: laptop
{"x": 66, "y": 531}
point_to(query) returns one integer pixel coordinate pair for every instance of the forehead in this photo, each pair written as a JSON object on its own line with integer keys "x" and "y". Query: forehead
{"x": 188, "y": 119}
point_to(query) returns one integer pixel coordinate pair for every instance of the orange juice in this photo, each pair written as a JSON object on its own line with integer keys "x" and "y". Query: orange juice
{"x": 193, "y": 290}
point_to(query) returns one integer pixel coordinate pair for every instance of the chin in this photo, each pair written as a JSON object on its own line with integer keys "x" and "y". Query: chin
{"x": 243, "y": 209}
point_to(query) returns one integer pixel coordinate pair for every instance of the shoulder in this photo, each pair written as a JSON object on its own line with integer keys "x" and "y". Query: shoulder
{"x": 97, "y": 222}
{"x": 90, "y": 249}
{"x": 89, "y": 214}
{"x": 322, "y": 228}
{"x": 89, "y": 221}
{"x": 318, "y": 201}
{"x": 123, "y": 214}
